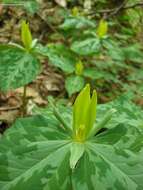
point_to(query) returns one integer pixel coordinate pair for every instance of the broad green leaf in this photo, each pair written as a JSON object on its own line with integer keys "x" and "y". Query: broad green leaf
{"x": 39, "y": 157}
{"x": 35, "y": 157}
{"x": 32, "y": 6}
{"x": 26, "y": 35}
{"x": 74, "y": 84}
{"x": 17, "y": 67}
{"x": 76, "y": 23}
{"x": 114, "y": 50}
{"x": 93, "y": 73}
{"x": 77, "y": 151}
{"x": 127, "y": 112}
{"x": 110, "y": 165}
{"x": 59, "y": 56}
{"x": 133, "y": 53}
{"x": 88, "y": 46}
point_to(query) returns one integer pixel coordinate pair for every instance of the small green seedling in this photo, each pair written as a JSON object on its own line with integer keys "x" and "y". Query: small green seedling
{"x": 66, "y": 149}
{"x": 19, "y": 65}
{"x": 76, "y": 80}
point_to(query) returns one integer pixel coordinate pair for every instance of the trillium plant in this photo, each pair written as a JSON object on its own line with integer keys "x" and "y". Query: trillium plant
{"x": 74, "y": 57}
{"x": 69, "y": 150}
{"x": 19, "y": 64}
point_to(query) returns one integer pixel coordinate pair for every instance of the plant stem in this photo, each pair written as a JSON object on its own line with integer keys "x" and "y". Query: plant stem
{"x": 103, "y": 122}
{"x": 24, "y": 102}
{"x": 60, "y": 119}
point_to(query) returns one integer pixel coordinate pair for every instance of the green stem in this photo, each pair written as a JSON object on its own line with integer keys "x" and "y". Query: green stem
{"x": 104, "y": 121}
{"x": 60, "y": 119}
{"x": 24, "y": 102}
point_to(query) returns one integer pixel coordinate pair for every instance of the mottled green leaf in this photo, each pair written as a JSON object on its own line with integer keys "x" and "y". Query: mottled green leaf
{"x": 35, "y": 157}
{"x": 17, "y": 67}
{"x": 74, "y": 84}
{"x": 127, "y": 112}
{"x": 76, "y": 23}
{"x": 114, "y": 50}
{"x": 133, "y": 53}
{"x": 32, "y": 6}
{"x": 93, "y": 73}
{"x": 77, "y": 150}
{"x": 110, "y": 167}
{"x": 88, "y": 46}
{"x": 35, "y": 153}
{"x": 59, "y": 55}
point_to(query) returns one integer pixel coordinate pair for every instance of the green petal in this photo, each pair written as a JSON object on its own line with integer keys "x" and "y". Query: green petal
{"x": 80, "y": 108}
{"x": 26, "y": 36}
{"x": 91, "y": 116}
{"x": 79, "y": 68}
{"x": 102, "y": 29}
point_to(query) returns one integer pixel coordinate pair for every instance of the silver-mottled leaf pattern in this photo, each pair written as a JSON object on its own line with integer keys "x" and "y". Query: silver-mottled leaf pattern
{"x": 59, "y": 56}
{"x": 109, "y": 165}
{"x": 35, "y": 155}
{"x": 17, "y": 67}
{"x": 74, "y": 84}
{"x": 86, "y": 47}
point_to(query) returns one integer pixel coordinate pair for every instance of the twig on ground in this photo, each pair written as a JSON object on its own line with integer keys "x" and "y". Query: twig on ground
{"x": 10, "y": 108}
{"x": 112, "y": 12}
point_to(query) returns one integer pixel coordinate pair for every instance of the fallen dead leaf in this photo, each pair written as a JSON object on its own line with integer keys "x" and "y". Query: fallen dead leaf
{"x": 62, "y": 3}
{"x": 31, "y": 93}
{"x": 9, "y": 116}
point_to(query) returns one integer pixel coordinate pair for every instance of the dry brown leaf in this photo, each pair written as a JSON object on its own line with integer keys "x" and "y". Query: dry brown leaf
{"x": 62, "y": 3}
{"x": 32, "y": 93}
{"x": 9, "y": 116}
